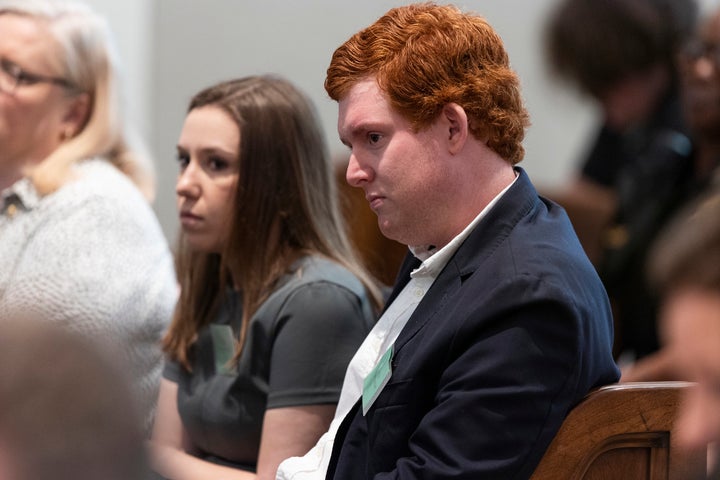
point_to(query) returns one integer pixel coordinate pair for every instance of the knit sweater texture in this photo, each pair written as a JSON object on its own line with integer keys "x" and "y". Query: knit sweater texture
{"x": 92, "y": 257}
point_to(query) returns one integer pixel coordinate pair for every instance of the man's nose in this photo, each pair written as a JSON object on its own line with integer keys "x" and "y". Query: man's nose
{"x": 357, "y": 174}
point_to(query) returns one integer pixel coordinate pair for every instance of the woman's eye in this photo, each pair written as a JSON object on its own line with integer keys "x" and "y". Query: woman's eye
{"x": 183, "y": 160}
{"x": 217, "y": 164}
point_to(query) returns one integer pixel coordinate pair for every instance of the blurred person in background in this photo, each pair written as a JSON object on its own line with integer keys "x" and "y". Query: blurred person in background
{"x": 79, "y": 242}
{"x": 684, "y": 267}
{"x": 622, "y": 53}
{"x": 699, "y": 63}
{"x": 66, "y": 407}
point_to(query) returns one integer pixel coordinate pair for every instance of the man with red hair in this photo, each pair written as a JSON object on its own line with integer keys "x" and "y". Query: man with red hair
{"x": 498, "y": 324}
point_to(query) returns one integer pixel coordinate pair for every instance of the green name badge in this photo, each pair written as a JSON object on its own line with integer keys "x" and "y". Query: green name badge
{"x": 223, "y": 340}
{"x": 376, "y": 380}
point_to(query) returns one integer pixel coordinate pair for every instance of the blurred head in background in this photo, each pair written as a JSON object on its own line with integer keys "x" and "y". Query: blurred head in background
{"x": 620, "y": 52}
{"x": 66, "y": 411}
{"x": 685, "y": 267}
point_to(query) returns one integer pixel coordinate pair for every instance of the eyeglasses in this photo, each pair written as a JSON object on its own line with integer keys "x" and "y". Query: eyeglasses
{"x": 696, "y": 49}
{"x": 12, "y": 76}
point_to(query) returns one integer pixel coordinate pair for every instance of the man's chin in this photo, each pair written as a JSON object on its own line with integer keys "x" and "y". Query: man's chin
{"x": 391, "y": 232}
{"x": 386, "y": 228}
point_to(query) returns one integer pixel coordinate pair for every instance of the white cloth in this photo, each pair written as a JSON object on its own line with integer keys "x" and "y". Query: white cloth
{"x": 91, "y": 256}
{"x": 313, "y": 466}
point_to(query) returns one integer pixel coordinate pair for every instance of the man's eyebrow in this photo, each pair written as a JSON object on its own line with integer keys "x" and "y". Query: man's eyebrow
{"x": 352, "y": 132}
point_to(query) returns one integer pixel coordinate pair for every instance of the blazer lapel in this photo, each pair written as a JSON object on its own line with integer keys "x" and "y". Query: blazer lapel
{"x": 517, "y": 202}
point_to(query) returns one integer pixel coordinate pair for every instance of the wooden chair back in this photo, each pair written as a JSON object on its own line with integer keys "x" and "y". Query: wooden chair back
{"x": 622, "y": 432}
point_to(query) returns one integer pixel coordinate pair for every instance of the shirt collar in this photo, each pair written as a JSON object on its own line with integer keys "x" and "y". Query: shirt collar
{"x": 22, "y": 194}
{"x": 433, "y": 260}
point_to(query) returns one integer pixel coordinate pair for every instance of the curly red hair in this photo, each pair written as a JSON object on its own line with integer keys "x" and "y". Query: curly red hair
{"x": 425, "y": 56}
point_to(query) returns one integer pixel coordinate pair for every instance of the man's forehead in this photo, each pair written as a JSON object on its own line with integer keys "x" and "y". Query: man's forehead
{"x": 363, "y": 101}
{"x": 364, "y": 91}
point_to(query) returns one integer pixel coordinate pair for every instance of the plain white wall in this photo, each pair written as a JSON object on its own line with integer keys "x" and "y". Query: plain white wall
{"x": 199, "y": 43}
{"x": 173, "y": 48}
{"x": 131, "y": 23}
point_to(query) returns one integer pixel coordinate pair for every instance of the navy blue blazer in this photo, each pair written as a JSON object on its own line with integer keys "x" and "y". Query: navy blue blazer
{"x": 513, "y": 333}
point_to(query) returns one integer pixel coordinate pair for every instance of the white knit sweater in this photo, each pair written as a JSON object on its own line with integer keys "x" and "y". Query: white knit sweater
{"x": 92, "y": 257}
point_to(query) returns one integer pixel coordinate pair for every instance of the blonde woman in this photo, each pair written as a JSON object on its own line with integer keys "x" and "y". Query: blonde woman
{"x": 79, "y": 243}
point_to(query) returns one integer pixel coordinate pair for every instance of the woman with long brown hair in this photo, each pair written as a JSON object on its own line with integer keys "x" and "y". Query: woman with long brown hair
{"x": 273, "y": 301}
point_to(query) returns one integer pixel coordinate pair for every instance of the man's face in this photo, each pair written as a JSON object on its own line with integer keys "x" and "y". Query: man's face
{"x": 699, "y": 67}
{"x": 691, "y": 328}
{"x": 401, "y": 171}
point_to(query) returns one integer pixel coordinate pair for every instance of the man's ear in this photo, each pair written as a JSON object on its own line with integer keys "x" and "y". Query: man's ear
{"x": 457, "y": 126}
{"x": 76, "y": 115}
